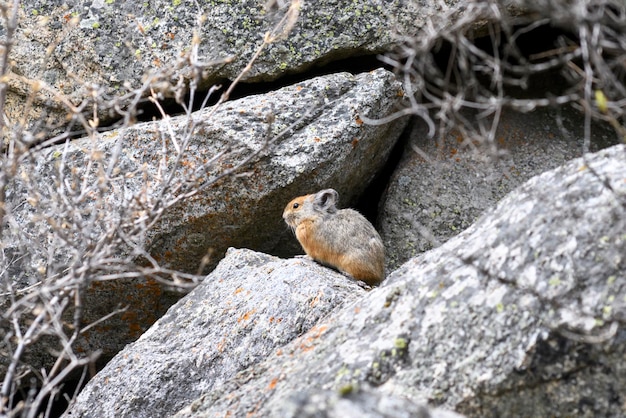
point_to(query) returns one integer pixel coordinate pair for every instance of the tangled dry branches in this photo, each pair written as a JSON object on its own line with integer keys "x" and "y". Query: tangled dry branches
{"x": 76, "y": 233}
{"x": 449, "y": 72}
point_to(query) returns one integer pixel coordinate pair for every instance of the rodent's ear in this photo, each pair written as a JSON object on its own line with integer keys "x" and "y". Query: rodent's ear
{"x": 326, "y": 200}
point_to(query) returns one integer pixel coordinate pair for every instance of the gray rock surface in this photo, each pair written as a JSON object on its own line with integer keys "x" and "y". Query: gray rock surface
{"x": 114, "y": 43}
{"x": 327, "y": 147}
{"x": 530, "y": 300}
{"x": 440, "y": 190}
{"x": 369, "y": 404}
{"x": 250, "y": 306}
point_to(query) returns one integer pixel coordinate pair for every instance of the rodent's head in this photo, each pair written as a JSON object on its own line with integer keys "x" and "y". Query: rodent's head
{"x": 308, "y": 206}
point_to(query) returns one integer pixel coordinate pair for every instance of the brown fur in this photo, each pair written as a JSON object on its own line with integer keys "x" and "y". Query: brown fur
{"x": 339, "y": 238}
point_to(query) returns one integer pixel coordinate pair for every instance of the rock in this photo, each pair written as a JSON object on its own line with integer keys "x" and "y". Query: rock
{"x": 317, "y": 403}
{"x": 439, "y": 191}
{"x": 247, "y": 309}
{"x": 528, "y": 300}
{"x": 326, "y": 146}
{"x": 113, "y": 44}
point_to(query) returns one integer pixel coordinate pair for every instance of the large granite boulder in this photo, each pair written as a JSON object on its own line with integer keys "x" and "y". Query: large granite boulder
{"x": 442, "y": 185}
{"x": 317, "y": 140}
{"x": 249, "y": 307}
{"x": 72, "y": 46}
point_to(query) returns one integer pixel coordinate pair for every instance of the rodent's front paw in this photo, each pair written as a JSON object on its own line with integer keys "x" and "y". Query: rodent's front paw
{"x": 304, "y": 256}
{"x": 363, "y": 284}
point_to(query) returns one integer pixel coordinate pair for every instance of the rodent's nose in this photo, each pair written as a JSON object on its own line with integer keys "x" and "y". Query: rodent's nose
{"x": 289, "y": 219}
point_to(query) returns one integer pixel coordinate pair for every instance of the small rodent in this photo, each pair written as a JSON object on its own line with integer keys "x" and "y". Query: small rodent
{"x": 339, "y": 238}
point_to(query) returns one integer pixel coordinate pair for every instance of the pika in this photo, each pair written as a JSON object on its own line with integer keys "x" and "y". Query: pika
{"x": 338, "y": 238}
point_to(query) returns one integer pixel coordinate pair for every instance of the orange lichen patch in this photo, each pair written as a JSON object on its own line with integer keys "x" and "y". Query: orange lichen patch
{"x": 298, "y": 88}
{"x": 453, "y": 152}
{"x": 357, "y": 309}
{"x": 246, "y": 316}
{"x": 358, "y": 120}
{"x": 150, "y": 285}
{"x": 355, "y": 142}
{"x": 316, "y": 299}
{"x": 221, "y": 345}
{"x": 141, "y": 300}
{"x": 132, "y": 319}
{"x": 273, "y": 383}
{"x": 165, "y": 256}
{"x": 238, "y": 290}
{"x": 317, "y": 139}
{"x": 156, "y": 62}
{"x": 308, "y": 340}
{"x": 188, "y": 164}
{"x": 279, "y": 352}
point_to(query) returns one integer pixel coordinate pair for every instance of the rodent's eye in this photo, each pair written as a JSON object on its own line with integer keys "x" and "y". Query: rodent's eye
{"x": 296, "y": 205}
